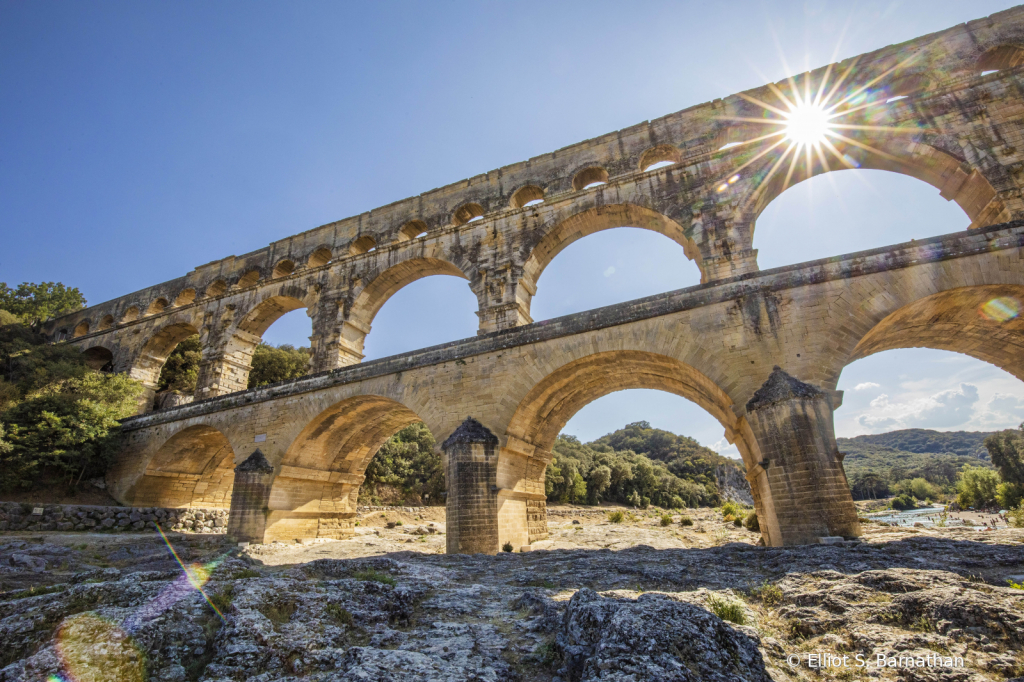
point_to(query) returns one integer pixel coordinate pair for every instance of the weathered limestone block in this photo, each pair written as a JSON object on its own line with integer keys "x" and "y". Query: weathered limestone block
{"x": 792, "y": 422}
{"x": 247, "y": 521}
{"x": 472, "y": 505}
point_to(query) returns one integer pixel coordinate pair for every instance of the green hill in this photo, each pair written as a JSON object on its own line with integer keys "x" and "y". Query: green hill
{"x": 876, "y": 463}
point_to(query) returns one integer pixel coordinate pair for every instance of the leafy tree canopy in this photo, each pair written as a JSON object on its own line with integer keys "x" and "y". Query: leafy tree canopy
{"x": 181, "y": 370}
{"x": 271, "y": 364}
{"x": 34, "y": 303}
{"x": 56, "y": 414}
{"x": 405, "y": 469}
{"x": 1006, "y": 448}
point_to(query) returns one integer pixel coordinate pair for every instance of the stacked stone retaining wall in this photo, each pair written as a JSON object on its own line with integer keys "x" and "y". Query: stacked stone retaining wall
{"x": 68, "y": 518}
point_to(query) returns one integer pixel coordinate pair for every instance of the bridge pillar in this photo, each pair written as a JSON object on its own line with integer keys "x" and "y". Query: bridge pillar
{"x": 225, "y": 368}
{"x": 471, "y": 508}
{"x": 250, "y": 497}
{"x": 810, "y": 497}
{"x": 503, "y": 299}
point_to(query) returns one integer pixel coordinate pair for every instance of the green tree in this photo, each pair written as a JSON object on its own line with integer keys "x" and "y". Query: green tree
{"x": 977, "y": 487}
{"x": 599, "y": 480}
{"x": 181, "y": 370}
{"x": 409, "y": 464}
{"x": 1006, "y": 448}
{"x": 271, "y": 364}
{"x": 70, "y": 427}
{"x": 35, "y": 303}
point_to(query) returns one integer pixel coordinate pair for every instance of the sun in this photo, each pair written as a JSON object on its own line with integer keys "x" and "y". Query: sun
{"x": 807, "y": 124}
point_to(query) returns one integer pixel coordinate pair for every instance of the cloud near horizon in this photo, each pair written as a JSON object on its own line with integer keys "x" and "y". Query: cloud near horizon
{"x": 942, "y": 410}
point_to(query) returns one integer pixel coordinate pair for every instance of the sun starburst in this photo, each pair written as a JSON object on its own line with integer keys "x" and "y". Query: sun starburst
{"x": 810, "y": 128}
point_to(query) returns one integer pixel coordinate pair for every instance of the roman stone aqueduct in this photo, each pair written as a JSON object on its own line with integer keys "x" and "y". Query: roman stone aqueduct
{"x": 955, "y": 98}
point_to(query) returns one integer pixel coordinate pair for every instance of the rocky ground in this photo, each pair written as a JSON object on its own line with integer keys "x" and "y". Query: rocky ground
{"x": 597, "y": 601}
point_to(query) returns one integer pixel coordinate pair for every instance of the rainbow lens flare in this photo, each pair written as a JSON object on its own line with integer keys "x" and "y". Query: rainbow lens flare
{"x": 1002, "y": 309}
{"x": 92, "y": 649}
{"x": 196, "y": 575}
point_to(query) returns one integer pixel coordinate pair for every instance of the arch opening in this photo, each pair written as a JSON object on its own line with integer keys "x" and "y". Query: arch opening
{"x": 248, "y": 279}
{"x": 81, "y": 329}
{"x": 319, "y": 258}
{"x": 467, "y": 213}
{"x": 185, "y": 297}
{"x": 589, "y": 177}
{"x": 283, "y": 268}
{"x": 130, "y": 315}
{"x": 106, "y": 322}
{"x": 659, "y": 157}
{"x": 317, "y": 488}
{"x": 364, "y": 244}
{"x": 531, "y": 195}
{"x": 156, "y": 307}
{"x": 256, "y": 359}
{"x": 217, "y": 288}
{"x": 150, "y": 362}
{"x": 99, "y": 358}
{"x": 999, "y": 58}
{"x": 412, "y": 230}
{"x": 433, "y": 318}
{"x": 972, "y": 192}
{"x": 193, "y": 468}
{"x": 595, "y": 220}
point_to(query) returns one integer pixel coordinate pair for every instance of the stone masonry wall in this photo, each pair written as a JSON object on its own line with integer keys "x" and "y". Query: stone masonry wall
{"x": 88, "y": 518}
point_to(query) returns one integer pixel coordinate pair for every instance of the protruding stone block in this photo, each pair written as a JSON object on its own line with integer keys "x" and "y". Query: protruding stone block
{"x": 472, "y": 504}
{"x": 792, "y": 422}
{"x": 247, "y": 520}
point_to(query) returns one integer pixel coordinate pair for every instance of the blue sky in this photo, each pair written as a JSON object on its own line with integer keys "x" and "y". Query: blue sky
{"x": 138, "y": 140}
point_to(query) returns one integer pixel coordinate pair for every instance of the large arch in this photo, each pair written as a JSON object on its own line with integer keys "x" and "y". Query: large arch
{"x": 972, "y": 191}
{"x": 968, "y": 320}
{"x": 317, "y": 485}
{"x": 193, "y": 468}
{"x": 376, "y": 292}
{"x": 589, "y": 222}
{"x": 548, "y": 406}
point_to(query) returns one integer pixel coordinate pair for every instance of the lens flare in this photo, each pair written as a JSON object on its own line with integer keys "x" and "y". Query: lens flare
{"x": 807, "y": 124}
{"x": 1002, "y": 309}
{"x": 196, "y": 575}
{"x": 92, "y": 649}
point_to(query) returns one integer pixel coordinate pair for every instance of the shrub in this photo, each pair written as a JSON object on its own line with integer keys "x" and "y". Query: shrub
{"x": 339, "y": 614}
{"x": 616, "y": 516}
{"x": 769, "y": 594}
{"x": 507, "y": 547}
{"x": 738, "y": 522}
{"x": 375, "y": 576}
{"x": 977, "y": 486}
{"x": 686, "y": 521}
{"x": 1009, "y": 495}
{"x": 1017, "y": 516}
{"x": 727, "y": 609}
{"x": 904, "y": 501}
{"x": 666, "y": 520}
{"x": 730, "y": 509}
{"x": 752, "y": 523}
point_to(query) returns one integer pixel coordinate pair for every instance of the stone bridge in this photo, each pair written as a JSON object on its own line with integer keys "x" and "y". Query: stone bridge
{"x": 945, "y": 108}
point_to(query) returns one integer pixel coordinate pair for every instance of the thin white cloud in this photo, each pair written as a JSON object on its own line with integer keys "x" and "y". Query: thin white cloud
{"x": 609, "y": 271}
{"x": 726, "y": 449}
{"x": 945, "y": 409}
{"x": 866, "y": 385}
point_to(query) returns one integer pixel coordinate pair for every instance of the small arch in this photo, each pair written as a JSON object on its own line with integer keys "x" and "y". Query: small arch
{"x": 467, "y": 213}
{"x": 81, "y": 329}
{"x": 99, "y": 358}
{"x": 130, "y": 315}
{"x": 268, "y": 311}
{"x": 364, "y": 244}
{"x": 412, "y": 230}
{"x": 105, "y": 323}
{"x": 151, "y": 359}
{"x": 248, "y": 279}
{"x": 589, "y": 177}
{"x": 185, "y": 297}
{"x": 61, "y": 335}
{"x": 156, "y": 306}
{"x": 999, "y": 58}
{"x": 217, "y": 288}
{"x": 193, "y": 468}
{"x": 320, "y": 257}
{"x": 530, "y": 195}
{"x": 659, "y": 157}
{"x": 283, "y": 268}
